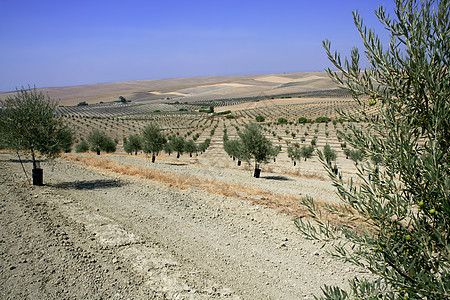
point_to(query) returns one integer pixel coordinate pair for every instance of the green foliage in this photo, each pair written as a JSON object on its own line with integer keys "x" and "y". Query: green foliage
{"x": 329, "y": 153}
{"x": 294, "y": 152}
{"x": 182, "y": 109}
{"x": 357, "y": 155}
{"x": 234, "y": 148}
{"x": 323, "y": 120}
{"x": 303, "y": 120}
{"x": 307, "y": 152}
{"x": 122, "y": 99}
{"x": 190, "y": 147}
{"x": 178, "y": 145}
{"x": 282, "y": 121}
{"x": 132, "y": 144}
{"x": 256, "y": 146}
{"x": 402, "y": 208}
{"x": 82, "y": 147}
{"x": 28, "y": 122}
{"x": 152, "y": 139}
{"x": 260, "y": 119}
{"x": 99, "y": 141}
{"x": 203, "y": 146}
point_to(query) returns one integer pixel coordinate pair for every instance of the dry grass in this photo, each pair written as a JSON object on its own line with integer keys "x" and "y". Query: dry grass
{"x": 283, "y": 203}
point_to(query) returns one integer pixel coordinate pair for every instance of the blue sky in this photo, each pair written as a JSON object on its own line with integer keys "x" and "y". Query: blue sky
{"x": 64, "y": 43}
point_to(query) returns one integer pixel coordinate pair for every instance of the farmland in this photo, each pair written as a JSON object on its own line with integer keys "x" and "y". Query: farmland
{"x": 194, "y": 227}
{"x": 119, "y": 121}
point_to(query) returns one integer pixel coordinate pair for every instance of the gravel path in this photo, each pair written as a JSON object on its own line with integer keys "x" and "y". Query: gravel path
{"x": 88, "y": 234}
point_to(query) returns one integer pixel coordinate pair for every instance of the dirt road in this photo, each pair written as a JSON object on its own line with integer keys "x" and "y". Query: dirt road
{"x": 89, "y": 234}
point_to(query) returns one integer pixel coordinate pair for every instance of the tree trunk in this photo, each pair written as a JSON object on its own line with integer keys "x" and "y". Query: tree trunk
{"x": 239, "y": 162}
{"x": 257, "y": 171}
{"x": 178, "y": 155}
{"x": 38, "y": 176}
{"x": 153, "y": 158}
{"x": 34, "y": 159}
{"x": 98, "y": 151}
{"x": 36, "y": 172}
{"x": 295, "y": 163}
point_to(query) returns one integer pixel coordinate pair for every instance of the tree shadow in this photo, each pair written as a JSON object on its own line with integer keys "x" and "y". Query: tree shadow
{"x": 89, "y": 184}
{"x": 175, "y": 164}
{"x": 24, "y": 160}
{"x": 281, "y": 178}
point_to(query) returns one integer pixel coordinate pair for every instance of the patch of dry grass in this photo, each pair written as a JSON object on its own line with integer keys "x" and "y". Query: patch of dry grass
{"x": 283, "y": 203}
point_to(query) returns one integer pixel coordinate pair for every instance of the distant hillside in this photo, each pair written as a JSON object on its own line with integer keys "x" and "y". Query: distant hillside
{"x": 191, "y": 89}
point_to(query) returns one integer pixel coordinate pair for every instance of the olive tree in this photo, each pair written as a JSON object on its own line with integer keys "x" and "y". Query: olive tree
{"x": 256, "y": 146}
{"x": 307, "y": 152}
{"x": 28, "y": 122}
{"x": 82, "y": 147}
{"x": 153, "y": 140}
{"x": 401, "y": 210}
{"x": 178, "y": 145}
{"x": 329, "y": 154}
{"x": 235, "y": 149}
{"x": 294, "y": 153}
{"x": 190, "y": 147}
{"x": 132, "y": 144}
{"x": 100, "y": 141}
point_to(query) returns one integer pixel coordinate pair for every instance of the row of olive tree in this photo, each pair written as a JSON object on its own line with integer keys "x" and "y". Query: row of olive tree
{"x": 153, "y": 141}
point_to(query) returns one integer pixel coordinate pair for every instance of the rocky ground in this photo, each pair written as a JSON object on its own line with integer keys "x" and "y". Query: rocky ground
{"x": 92, "y": 234}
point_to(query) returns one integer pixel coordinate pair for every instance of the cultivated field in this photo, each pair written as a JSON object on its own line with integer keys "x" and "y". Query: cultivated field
{"x": 195, "y": 227}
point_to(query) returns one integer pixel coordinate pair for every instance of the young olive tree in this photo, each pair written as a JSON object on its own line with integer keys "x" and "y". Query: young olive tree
{"x": 177, "y": 143}
{"x": 307, "y": 152}
{"x": 402, "y": 209}
{"x": 256, "y": 146}
{"x": 100, "y": 141}
{"x": 28, "y": 122}
{"x": 153, "y": 140}
{"x": 329, "y": 154}
{"x": 294, "y": 153}
{"x": 190, "y": 147}
{"x": 132, "y": 144}
{"x": 235, "y": 149}
{"x": 82, "y": 147}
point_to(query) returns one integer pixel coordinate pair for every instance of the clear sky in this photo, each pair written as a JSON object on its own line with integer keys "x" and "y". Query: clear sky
{"x": 64, "y": 42}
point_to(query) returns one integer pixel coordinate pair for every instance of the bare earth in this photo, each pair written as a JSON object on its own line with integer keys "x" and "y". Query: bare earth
{"x": 89, "y": 234}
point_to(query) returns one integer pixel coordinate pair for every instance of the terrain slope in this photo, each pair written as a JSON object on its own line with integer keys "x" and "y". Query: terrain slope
{"x": 190, "y": 89}
{"x": 91, "y": 234}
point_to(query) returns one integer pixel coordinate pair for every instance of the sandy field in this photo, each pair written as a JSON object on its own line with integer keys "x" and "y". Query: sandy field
{"x": 97, "y": 234}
